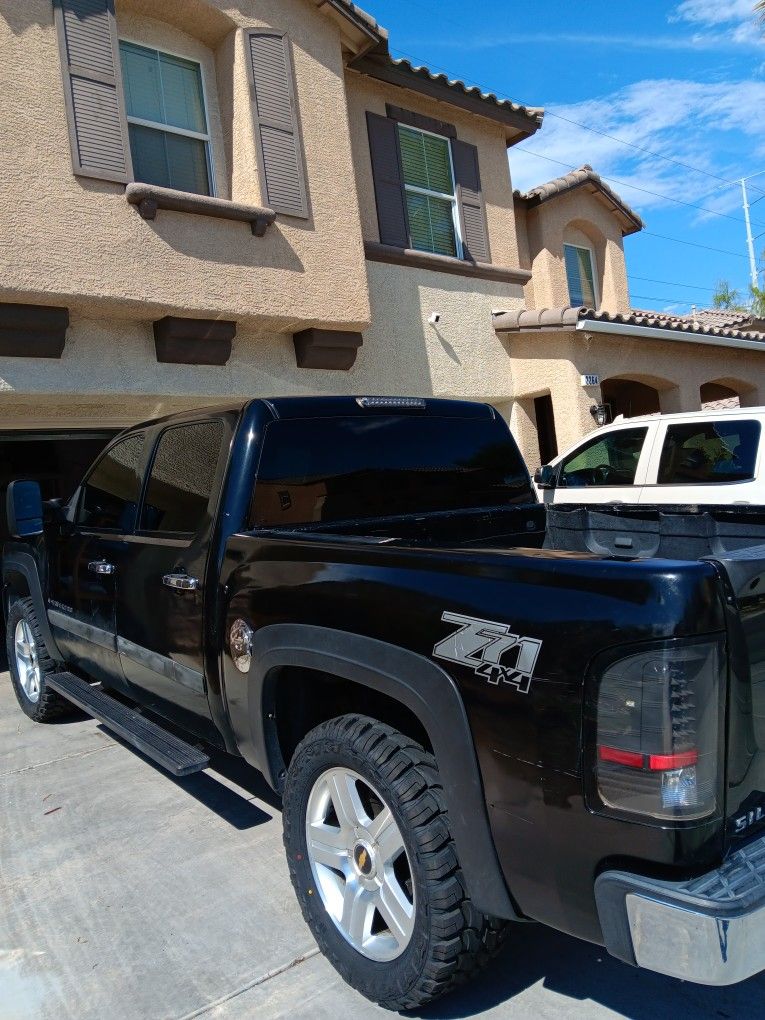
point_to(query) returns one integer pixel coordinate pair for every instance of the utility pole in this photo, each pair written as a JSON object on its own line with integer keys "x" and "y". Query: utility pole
{"x": 749, "y": 238}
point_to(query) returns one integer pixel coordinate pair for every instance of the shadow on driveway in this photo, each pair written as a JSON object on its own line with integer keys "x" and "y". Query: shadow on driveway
{"x": 588, "y": 977}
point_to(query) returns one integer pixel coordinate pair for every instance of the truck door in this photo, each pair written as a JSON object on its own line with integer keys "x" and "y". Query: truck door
{"x": 160, "y": 606}
{"x": 608, "y": 468}
{"x": 707, "y": 461}
{"x": 88, "y": 557}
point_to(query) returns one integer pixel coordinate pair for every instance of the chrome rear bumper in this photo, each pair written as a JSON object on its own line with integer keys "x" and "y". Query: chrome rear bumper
{"x": 709, "y": 930}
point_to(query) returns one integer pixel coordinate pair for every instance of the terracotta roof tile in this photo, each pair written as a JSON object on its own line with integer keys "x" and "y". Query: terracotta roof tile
{"x": 523, "y": 319}
{"x": 355, "y": 14}
{"x": 534, "y": 113}
{"x": 584, "y": 176}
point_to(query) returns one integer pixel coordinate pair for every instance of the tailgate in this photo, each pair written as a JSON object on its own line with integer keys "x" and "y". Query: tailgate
{"x": 746, "y": 718}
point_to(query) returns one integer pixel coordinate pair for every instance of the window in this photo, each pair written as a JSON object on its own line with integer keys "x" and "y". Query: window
{"x": 610, "y": 459}
{"x": 110, "y": 494}
{"x": 720, "y": 451}
{"x": 430, "y": 192}
{"x": 356, "y": 468}
{"x": 181, "y": 479}
{"x": 167, "y": 123}
{"x": 581, "y": 276}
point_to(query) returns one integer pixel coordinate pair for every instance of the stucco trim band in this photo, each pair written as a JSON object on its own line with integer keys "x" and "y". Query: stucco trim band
{"x": 375, "y": 252}
{"x": 32, "y": 331}
{"x": 149, "y": 198}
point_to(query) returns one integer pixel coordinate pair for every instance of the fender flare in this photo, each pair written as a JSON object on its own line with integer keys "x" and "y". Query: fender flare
{"x": 23, "y": 565}
{"x": 428, "y": 692}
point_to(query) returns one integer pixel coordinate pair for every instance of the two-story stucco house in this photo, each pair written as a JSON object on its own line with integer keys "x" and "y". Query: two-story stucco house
{"x": 206, "y": 198}
{"x": 216, "y": 198}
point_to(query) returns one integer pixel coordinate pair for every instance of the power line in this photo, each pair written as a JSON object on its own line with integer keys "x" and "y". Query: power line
{"x": 693, "y": 244}
{"x": 575, "y": 123}
{"x": 669, "y": 283}
{"x": 646, "y": 191}
{"x": 652, "y": 297}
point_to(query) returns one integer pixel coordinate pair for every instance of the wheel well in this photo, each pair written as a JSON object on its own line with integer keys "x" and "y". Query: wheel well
{"x": 302, "y": 698}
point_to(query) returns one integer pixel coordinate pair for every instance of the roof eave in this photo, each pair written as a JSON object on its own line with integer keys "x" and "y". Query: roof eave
{"x": 361, "y": 33}
{"x": 580, "y": 318}
{"x": 630, "y": 221}
{"x": 519, "y": 123}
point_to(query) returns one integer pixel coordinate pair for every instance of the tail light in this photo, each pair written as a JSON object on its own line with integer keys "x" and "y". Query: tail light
{"x": 658, "y": 731}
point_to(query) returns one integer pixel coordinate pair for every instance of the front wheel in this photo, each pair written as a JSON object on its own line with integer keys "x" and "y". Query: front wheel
{"x": 30, "y": 665}
{"x": 374, "y": 866}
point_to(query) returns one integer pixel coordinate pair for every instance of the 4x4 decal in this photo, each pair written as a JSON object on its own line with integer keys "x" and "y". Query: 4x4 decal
{"x": 491, "y": 650}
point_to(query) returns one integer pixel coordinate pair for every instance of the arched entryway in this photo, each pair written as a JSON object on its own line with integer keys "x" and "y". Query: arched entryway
{"x": 724, "y": 394}
{"x": 630, "y": 397}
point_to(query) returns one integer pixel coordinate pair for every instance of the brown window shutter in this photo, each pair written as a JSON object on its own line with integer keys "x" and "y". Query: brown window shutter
{"x": 95, "y": 106}
{"x": 388, "y": 180}
{"x": 274, "y": 110}
{"x": 475, "y": 232}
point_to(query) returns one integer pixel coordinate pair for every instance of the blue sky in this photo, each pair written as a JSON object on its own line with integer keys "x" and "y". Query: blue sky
{"x": 683, "y": 79}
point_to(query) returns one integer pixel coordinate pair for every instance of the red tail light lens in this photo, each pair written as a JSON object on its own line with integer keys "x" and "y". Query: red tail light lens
{"x": 658, "y": 723}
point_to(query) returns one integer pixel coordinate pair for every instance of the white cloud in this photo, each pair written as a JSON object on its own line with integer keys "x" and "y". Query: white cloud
{"x": 713, "y": 12}
{"x": 733, "y": 21}
{"x": 740, "y": 36}
{"x": 716, "y": 127}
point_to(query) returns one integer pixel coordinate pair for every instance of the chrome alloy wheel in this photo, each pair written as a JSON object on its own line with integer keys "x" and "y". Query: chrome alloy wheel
{"x": 27, "y": 661}
{"x": 360, "y": 864}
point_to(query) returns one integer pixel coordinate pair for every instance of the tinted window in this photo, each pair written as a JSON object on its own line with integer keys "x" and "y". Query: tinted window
{"x": 182, "y": 477}
{"x": 351, "y": 468}
{"x": 110, "y": 496}
{"x": 609, "y": 459}
{"x": 720, "y": 451}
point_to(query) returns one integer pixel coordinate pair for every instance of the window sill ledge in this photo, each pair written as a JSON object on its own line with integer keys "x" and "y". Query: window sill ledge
{"x": 375, "y": 252}
{"x": 149, "y": 199}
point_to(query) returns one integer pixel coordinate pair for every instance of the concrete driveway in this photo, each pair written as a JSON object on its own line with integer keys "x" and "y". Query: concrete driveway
{"x": 125, "y": 894}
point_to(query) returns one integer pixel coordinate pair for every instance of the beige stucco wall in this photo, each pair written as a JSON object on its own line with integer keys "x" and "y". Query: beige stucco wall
{"x": 109, "y": 372}
{"x": 554, "y": 363}
{"x": 366, "y": 94}
{"x": 74, "y": 241}
{"x": 575, "y": 217}
{"x": 460, "y": 357}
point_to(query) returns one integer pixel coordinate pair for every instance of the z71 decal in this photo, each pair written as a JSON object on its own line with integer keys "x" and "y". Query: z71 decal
{"x": 490, "y": 650}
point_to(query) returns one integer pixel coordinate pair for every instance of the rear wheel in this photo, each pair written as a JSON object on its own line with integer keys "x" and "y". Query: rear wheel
{"x": 374, "y": 866}
{"x": 30, "y": 665}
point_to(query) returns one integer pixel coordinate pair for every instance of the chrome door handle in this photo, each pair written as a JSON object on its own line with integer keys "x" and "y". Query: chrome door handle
{"x": 101, "y": 567}
{"x": 181, "y": 582}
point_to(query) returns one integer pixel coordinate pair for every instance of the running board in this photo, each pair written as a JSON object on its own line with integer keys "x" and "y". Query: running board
{"x": 173, "y": 754}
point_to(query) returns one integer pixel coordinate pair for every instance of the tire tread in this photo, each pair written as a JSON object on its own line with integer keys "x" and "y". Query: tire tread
{"x": 462, "y": 940}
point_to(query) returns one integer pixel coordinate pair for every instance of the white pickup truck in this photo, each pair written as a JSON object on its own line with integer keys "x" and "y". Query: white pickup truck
{"x": 702, "y": 457}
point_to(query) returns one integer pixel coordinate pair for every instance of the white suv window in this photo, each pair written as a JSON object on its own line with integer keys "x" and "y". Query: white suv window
{"x": 709, "y": 451}
{"x": 608, "y": 459}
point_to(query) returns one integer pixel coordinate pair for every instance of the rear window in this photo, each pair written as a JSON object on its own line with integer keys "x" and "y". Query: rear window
{"x": 343, "y": 469}
{"x": 704, "y": 452}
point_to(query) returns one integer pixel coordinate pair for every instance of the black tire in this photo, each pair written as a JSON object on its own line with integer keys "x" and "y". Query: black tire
{"x": 451, "y": 939}
{"x": 49, "y": 705}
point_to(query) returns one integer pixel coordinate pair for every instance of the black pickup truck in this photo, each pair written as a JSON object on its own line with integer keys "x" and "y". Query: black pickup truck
{"x": 473, "y": 718}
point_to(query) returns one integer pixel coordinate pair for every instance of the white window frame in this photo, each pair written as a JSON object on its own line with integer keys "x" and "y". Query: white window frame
{"x": 458, "y": 244}
{"x": 593, "y": 265}
{"x": 202, "y": 137}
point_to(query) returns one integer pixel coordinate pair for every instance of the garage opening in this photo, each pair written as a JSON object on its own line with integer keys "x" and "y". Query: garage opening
{"x": 630, "y": 398}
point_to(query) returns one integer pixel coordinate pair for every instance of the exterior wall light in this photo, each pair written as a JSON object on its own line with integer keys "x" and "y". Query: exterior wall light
{"x": 601, "y": 413}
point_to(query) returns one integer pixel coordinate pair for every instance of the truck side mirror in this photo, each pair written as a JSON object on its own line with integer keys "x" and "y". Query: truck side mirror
{"x": 545, "y": 477}
{"x": 24, "y": 509}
